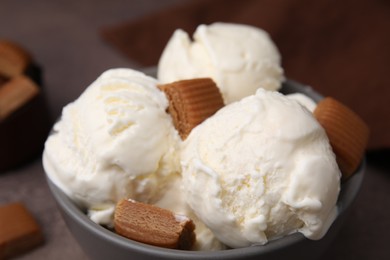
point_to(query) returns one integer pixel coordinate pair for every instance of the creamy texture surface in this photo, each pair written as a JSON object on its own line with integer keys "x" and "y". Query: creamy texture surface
{"x": 239, "y": 58}
{"x": 115, "y": 141}
{"x": 174, "y": 199}
{"x": 259, "y": 169}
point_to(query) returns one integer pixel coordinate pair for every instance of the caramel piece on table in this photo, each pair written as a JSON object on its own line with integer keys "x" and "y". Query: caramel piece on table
{"x": 14, "y": 60}
{"x": 347, "y": 133}
{"x": 191, "y": 102}
{"x": 153, "y": 225}
{"x": 15, "y": 93}
{"x": 19, "y": 232}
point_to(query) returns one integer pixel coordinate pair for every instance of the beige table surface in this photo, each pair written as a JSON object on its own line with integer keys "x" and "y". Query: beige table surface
{"x": 64, "y": 38}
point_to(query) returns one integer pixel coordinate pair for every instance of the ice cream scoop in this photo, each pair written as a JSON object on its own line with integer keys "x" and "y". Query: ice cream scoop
{"x": 239, "y": 58}
{"x": 259, "y": 169}
{"x": 115, "y": 141}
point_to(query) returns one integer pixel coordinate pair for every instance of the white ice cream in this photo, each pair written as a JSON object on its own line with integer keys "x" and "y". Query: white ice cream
{"x": 115, "y": 141}
{"x": 239, "y": 58}
{"x": 174, "y": 199}
{"x": 259, "y": 169}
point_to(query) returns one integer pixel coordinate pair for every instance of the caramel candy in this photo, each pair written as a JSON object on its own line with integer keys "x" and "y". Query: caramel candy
{"x": 15, "y": 93}
{"x": 153, "y": 225}
{"x": 14, "y": 60}
{"x": 19, "y": 232}
{"x": 347, "y": 133}
{"x": 24, "y": 117}
{"x": 191, "y": 102}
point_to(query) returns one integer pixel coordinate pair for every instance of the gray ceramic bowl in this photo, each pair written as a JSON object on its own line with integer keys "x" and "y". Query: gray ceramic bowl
{"x": 100, "y": 243}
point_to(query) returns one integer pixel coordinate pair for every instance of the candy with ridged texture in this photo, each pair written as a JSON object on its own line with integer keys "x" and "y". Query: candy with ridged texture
{"x": 191, "y": 102}
{"x": 153, "y": 225}
{"x": 347, "y": 132}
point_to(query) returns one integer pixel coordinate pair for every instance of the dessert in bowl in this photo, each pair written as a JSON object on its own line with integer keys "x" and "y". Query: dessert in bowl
{"x": 100, "y": 243}
{"x": 253, "y": 175}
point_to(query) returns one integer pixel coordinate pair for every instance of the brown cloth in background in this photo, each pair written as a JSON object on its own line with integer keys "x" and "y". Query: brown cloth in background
{"x": 340, "y": 48}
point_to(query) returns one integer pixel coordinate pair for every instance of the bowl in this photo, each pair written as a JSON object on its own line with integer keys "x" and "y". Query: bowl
{"x": 101, "y": 243}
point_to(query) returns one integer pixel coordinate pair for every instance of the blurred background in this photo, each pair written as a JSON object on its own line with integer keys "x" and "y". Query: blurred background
{"x": 340, "y": 48}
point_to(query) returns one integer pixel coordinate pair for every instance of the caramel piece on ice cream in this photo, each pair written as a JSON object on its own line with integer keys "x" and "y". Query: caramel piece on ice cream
{"x": 19, "y": 232}
{"x": 347, "y": 132}
{"x": 191, "y": 102}
{"x": 153, "y": 225}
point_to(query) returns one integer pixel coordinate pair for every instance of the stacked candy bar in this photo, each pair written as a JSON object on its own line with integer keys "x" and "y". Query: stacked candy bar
{"x": 24, "y": 119}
